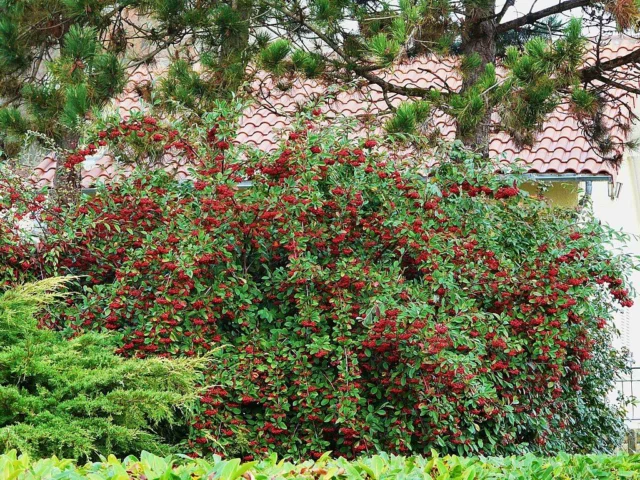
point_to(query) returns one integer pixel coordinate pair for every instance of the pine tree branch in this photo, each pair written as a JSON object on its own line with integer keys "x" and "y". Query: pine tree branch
{"x": 615, "y": 84}
{"x": 390, "y": 87}
{"x": 8, "y": 101}
{"x": 350, "y": 63}
{"x": 497, "y": 17}
{"x": 532, "y": 17}
{"x": 595, "y": 71}
{"x": 507, "y": 5}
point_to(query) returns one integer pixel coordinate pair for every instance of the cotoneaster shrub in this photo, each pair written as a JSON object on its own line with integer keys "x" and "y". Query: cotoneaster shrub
{"x": 356, "y": 305}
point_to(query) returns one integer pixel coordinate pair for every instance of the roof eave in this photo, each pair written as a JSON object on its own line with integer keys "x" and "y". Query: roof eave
{"x": 570, "y": 177}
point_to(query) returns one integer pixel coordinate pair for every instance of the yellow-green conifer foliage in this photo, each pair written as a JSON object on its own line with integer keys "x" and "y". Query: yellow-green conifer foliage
{"x": 75, "y": 398}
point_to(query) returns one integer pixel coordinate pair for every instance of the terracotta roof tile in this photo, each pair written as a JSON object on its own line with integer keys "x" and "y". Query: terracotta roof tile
{"x": 561, "y": 146}
{"x": 45, "y": 171}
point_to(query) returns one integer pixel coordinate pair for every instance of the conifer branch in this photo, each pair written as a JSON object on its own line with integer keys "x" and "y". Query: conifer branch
{"x": 532, "y": 17}
{"x": 350, "y": 63}
{"x": 595, "y": 71}
{"x": 508, "y": 4}
{"x": 622, "y": 86}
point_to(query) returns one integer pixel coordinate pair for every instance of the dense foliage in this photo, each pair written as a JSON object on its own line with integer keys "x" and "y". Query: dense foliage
{"x": 150, "y": 467}
{"x": 355, "y": 304}
{"x": 77, "y": 398}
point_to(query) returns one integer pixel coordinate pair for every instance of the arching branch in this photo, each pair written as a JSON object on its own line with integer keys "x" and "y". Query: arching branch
{"x": 613, "y": 83}
{"x": 595, "y": 71}
{"x": 533, "y": 17}
{"x": 350, "y": 63}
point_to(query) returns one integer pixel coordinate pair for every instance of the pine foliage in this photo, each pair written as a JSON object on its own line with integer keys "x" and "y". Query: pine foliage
{"x": 408, "y": 117}
{"x": 62, "y": 60}
{"x": 82, "y": 76}
{"x": 271, "y": 58}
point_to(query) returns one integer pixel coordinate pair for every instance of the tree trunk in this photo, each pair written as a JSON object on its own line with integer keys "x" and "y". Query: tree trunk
{"x": 479, "y": 37}
{"x": 234, "y": 55}
{"x": 67, "y": 182}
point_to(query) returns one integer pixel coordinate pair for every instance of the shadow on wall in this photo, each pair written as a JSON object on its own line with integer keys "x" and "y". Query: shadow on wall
{"x": 561, "y": 194}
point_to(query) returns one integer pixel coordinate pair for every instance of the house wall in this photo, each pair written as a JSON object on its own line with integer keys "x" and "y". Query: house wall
{"x": 562, "y": 194}
{"x": 623, "y": 213}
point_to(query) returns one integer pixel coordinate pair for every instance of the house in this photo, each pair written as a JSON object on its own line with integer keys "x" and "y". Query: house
{"x": 562, "y": 157}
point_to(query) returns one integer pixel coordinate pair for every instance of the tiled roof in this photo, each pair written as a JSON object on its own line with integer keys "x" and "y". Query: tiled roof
{"x": 561, "y": 147}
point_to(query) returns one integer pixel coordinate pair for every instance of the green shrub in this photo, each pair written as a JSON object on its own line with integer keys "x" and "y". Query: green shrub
{"x": 379, "y": 467}
{"x": 360, "y": 307}
{"x": 75, "y": 398}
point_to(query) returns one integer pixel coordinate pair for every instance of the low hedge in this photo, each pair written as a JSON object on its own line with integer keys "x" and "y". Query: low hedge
{"x": 377, "y": 467}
